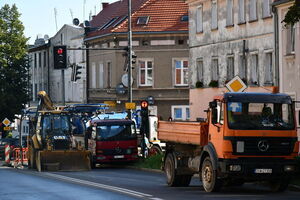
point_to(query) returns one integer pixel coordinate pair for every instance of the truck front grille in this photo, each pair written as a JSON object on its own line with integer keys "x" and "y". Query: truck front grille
{"x": 270, "y": 146}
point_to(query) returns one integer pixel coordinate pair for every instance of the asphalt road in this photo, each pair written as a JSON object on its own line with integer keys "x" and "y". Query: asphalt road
{"x": 117, "y": 183}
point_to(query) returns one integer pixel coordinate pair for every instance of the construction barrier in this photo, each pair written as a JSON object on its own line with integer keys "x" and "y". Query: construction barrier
{"x": 7, "y": 154}
{"x": 20, "y": 159}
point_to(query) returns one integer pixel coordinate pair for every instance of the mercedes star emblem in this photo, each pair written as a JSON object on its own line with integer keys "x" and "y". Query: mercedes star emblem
{"x": 263, "y": 145}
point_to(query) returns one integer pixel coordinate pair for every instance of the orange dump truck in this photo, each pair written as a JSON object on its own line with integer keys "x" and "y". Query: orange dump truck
{"x": 246, "y": 137}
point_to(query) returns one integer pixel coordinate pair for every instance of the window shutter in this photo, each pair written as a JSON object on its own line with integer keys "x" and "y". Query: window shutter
{"x": 230, "y": 68}
{"x": 215, "y": 70}
{"x": 200, "y": 70}
{"x": 266, "y": 8}
{"x": 252, "y": 10}
{"x": 199, "y": 20}
{"x": 229, "y": 17}
{"x": 214, "y": 15}
{"x": 254, "y": 69}
{"x": 241, "y": 11}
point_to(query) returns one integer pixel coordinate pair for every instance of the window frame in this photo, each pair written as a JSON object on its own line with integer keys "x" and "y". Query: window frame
{"x": 146, "y": 60}
{"x": 182, "y": 68}
{"x": 183, "y": 108}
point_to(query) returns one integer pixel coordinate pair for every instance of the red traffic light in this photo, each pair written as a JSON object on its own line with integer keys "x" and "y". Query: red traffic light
{"x": 60, "y": 51}
{"x": 144, "y": 104}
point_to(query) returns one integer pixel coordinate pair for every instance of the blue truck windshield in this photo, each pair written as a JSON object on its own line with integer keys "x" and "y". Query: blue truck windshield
{"x": 260, "y": 116}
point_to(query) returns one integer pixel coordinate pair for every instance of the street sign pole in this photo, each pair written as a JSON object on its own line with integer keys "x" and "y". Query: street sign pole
{"x": 129, "y": 57}
{"x": 63, "y": 86}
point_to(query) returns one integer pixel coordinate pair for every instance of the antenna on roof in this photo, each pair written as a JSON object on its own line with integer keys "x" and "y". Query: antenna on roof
{"x": 71, "y": 13}
{"x": 55, "y": 16}
{"x": 84, "y": 2}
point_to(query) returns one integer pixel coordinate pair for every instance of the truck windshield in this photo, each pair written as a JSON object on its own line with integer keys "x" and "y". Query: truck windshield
{"x": 55, "y": 122}
{"x": 115, "y": 132}
{"x": 260, "y": 116}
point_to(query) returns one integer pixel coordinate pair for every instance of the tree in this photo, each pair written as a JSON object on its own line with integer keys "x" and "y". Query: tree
{"x": 14, "y": 63}
{"x": 293, "y": 14}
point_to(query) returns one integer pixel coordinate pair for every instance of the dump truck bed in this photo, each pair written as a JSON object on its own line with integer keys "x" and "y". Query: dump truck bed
{"x": 194, "y": 133}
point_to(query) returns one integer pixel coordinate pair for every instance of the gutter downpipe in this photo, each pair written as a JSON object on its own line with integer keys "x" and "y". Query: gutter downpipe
{"x": 276, "y": 50}
{"x": 87, "y": 82}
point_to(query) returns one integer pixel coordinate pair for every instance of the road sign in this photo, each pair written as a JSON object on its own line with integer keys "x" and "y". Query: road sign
{"x": 7, "y": 128}
{"x": 236, "y": 85}
{"x": 6, "y": 122}
{"x": 130, "y": 106}
{"x": 110, "y": 103}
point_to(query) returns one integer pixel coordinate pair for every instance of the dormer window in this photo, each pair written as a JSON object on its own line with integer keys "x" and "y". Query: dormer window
{"x": 109, "y": 23}
{"x": 185, "y": 18}
{"x": 143, "y": 20}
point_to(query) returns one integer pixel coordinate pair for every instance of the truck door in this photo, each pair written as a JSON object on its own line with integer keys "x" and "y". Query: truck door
{"x": 216, "y": 126}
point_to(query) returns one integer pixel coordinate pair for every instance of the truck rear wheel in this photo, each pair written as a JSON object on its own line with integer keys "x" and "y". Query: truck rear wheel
{"x": 210, "y": 181}
{"x": 173, "y": 179}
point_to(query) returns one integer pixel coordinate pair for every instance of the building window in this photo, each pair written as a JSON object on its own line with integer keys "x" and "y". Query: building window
{"x": 290, "y": 40}
{"x": 145, "y": 72}
{"x": 229, "y": 14}
{"x": 108, "y": 80}
{"x": 268, "y": 69}
{"x": 252, "y": 10}
{"x": 254, "y": 70}
{"x": 35, "y": 60}
{"x": 200, "y": 70}
{"x": 93, "y": 76}
{"x": 214, "y": 14}
{"x": 35, "y": 91}
{"x": 181, "y": 72}
{"x": 230, "y": 68}
{"x": 266, "y": 8}
{"x": 101, "y": 76}
{"x": 180, "y": 112}
{"x": 143, "y": 20}
{"x": 45, "y": 59}
{"x": 40, "y": 59}
{"x": 242, "y": 67}
{"x": 199, "y": 19}
{"x": 214, "y": 69}
{"x": 242, "y": 11}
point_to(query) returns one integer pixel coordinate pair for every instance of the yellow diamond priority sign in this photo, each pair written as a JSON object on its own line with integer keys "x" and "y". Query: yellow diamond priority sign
{"x": 6, "y": 122}
{"x": 236, "y": 85}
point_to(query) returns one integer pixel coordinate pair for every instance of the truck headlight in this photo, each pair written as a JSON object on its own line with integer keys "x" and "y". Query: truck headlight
{"x": 289, "y": 168}
{"x": 235, "y": 168}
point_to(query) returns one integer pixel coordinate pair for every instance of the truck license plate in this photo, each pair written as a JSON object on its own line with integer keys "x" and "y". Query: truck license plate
{"x": 119, "y": 156}
{"x": 263, "y": 171}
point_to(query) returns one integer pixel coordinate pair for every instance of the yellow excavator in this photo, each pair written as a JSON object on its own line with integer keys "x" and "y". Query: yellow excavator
{"x": 51, "y": 144}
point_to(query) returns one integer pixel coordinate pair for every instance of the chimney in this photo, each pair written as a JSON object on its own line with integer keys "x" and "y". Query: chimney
{"x": 104, "y": 5}
{"x": 93, "y": 16}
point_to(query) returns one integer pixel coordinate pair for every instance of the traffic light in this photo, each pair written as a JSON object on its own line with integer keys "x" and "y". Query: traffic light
{"x": 133, "y": 58}
{"x": 60, "y": 57}
{"x": 75, "y": 72}
{"x": 144, "y": 110}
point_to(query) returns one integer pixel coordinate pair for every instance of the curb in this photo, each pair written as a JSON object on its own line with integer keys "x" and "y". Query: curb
{"x": 145, "y": 169}
{"x": 295, "y": 188}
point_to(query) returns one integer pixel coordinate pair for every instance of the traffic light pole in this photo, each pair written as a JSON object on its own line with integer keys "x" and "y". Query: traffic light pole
{"x": 63, "y": 86}
{"x": 129, "y": 57}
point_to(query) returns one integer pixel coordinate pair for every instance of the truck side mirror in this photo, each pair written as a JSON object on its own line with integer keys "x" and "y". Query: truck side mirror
{"x": 213, "y": 104}
{"x": 214, "y": 116}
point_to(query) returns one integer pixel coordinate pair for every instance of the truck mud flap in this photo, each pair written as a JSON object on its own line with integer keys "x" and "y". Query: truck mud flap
{"x": 70, "y": 160}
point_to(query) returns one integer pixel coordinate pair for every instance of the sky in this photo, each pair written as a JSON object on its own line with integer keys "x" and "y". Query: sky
{"x": 38, "y": 16}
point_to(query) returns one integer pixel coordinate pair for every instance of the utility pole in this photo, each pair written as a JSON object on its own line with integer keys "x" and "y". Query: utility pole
{"x": 129, "y": 56}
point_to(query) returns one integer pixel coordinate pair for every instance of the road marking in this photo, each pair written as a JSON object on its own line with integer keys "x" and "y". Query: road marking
{"x": 102, "y": 186}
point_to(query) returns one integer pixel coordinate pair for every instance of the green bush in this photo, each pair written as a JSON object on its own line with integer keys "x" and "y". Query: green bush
{"x": 152, "y": 162}
{"x": 199, "y": 84}
{"x": 214, "y": 83}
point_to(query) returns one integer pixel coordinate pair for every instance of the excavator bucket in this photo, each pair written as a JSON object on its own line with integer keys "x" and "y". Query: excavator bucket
{"x": 68, "y": 160}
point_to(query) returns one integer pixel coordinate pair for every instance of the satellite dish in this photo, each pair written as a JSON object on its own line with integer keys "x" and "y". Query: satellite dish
{"x": 125, "y": 80}
{"x": 120, "y": 89}
{"x": 46, "y": 37}
{"x": 86, "y": 24}
{"x": 76, "y": 21}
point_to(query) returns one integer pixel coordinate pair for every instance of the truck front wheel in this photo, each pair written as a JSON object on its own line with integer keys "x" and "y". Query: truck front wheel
{"x": 210, "y": 181}
{"x": 173, "y": 179}
{"x": 279, "y": 185}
